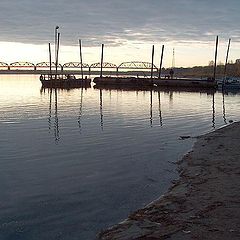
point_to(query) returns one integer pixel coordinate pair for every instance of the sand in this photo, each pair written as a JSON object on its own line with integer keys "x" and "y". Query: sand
{"x": 203, "y": 204}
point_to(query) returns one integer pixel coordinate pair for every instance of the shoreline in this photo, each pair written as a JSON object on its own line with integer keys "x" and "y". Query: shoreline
{"x": 203, "y": 203}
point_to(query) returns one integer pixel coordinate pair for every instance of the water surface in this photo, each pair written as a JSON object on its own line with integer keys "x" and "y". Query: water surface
{"x": 76, "y": 161}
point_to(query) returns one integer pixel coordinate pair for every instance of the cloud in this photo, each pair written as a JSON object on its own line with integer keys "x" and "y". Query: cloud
{"x": 115, "y": 22}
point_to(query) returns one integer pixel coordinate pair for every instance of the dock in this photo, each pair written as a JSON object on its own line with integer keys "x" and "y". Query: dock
{"x": 155, "y": 82}
{"x": 64, "y": 81}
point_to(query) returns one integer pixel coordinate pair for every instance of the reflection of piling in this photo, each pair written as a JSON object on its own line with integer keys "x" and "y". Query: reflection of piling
{"x": 152, "y": 64}
{"x": 80, "y": 46}
{"x": 159, "y": 108}
{"x": 224, "y": 110}
{"x": 215, "y": 63}
{"x": 101, "y": 110}
{"x": 56, "y": 128}
{"x": 80, "y": 111}
{"x": 213, "y": 111}
{"x": 101, "y": 60}
{"x": 151, "y": 112}
{"x": 225, "y": 67}
{"x": 160, "y": 67}
{"x": 50, "y": 111}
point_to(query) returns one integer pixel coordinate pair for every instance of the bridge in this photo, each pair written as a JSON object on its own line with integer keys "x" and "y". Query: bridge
{"x": 75, "y": 67}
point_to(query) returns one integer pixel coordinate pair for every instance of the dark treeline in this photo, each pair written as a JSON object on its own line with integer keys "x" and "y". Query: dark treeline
{"x": 233, "y": 70}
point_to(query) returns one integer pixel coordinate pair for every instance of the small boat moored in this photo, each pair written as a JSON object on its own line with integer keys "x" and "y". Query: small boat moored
{"x": 229, "y": 84}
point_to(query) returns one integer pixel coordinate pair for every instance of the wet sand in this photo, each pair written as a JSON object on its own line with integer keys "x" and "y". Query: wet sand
{"x": 203, "y": 204}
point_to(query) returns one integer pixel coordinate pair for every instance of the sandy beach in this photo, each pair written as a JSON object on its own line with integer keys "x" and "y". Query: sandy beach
{"x": 204, "y": 203}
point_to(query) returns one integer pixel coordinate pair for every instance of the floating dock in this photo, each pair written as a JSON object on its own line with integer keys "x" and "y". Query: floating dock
{"x": 155, "y": 82}
{"x": 64, "y": 81}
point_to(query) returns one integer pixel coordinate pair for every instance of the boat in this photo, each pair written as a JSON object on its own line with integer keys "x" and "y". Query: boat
{"x": 229, "y": 84}
{"x": 64, "y": 81}
{"x": 56, "y": 79}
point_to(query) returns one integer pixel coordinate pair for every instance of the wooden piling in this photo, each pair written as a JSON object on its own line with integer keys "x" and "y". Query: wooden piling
{"x": 160, "y": 67}
{"x": 50, "y": 60}
{"x": 58, "y": 39}
{"x": 215, "y": 61}
{"x": 56, "y": 36}
{"x": 152, "y": 64}
{"x": 80, "y": 46}
{"x": 89, "y": 72}
{"x": 225, "y": 67}
{"x": 101, "y": 61}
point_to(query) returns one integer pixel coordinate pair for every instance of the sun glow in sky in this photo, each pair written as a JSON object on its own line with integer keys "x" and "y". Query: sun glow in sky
{"x": 127, "y": 28}
{"x": 195, "y": 54}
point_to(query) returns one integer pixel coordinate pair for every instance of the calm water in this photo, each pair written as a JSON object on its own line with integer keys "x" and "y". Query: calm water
{"x": 74, "y": 162}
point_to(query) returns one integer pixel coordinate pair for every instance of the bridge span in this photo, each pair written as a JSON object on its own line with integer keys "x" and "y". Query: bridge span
{"x": 75, "y": 67}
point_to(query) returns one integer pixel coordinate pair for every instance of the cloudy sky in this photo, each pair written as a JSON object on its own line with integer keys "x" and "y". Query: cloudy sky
{"x": 128, "y": 28}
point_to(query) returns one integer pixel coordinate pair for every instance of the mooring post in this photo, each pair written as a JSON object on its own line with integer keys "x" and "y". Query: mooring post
{"x": 58, "y": 39}
{"x": 152, "y": 64}
{"x": 101, "y": 61}
{"x": 225, "y": 67}
{"x": 117, "y": 71}
{"x": 56, "y": 36}
{"x": 215, "y": 62}
{"x": 160, "y": 67}
{"x": 80, "y": 46}
{"x": 50, "y": 60}
{"x": 89, "y": 72}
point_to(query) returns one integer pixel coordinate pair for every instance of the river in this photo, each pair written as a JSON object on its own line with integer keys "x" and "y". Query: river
{"x": 76, "y": 161}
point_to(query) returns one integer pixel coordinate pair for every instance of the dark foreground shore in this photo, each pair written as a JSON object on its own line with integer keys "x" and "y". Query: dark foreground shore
{"x": 203, "y": 204}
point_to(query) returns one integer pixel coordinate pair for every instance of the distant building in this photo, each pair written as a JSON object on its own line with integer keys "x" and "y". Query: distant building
{"x": 237, "y": 61}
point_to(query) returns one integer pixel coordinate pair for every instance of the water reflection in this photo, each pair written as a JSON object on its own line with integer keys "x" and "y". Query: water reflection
{"x": 80, "y": 111}
{"x": 50, "y": 112}
{"x": 213, "y": 111}
{"x": 56, "y": 124}
{"x": 171, "y": 94}
{"x": 52, "y": 94}
{"x": 151, "y": 111}
{"x": 159, "y": 108}
{"x": 223, "y": 108}
{"x": 101, "y": 109}
{"x": 171, "y": 97}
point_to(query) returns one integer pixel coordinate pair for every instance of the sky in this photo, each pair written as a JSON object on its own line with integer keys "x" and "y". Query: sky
{"x": 128, "y": 28}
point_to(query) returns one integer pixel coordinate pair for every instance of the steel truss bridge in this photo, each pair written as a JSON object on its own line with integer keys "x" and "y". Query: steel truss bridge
{"x": 77, "y": 65}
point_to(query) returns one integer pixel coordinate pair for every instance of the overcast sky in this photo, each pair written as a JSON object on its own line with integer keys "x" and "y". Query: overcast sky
{"x": 114, "y": 21}
{"x": 118, "y": 22}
